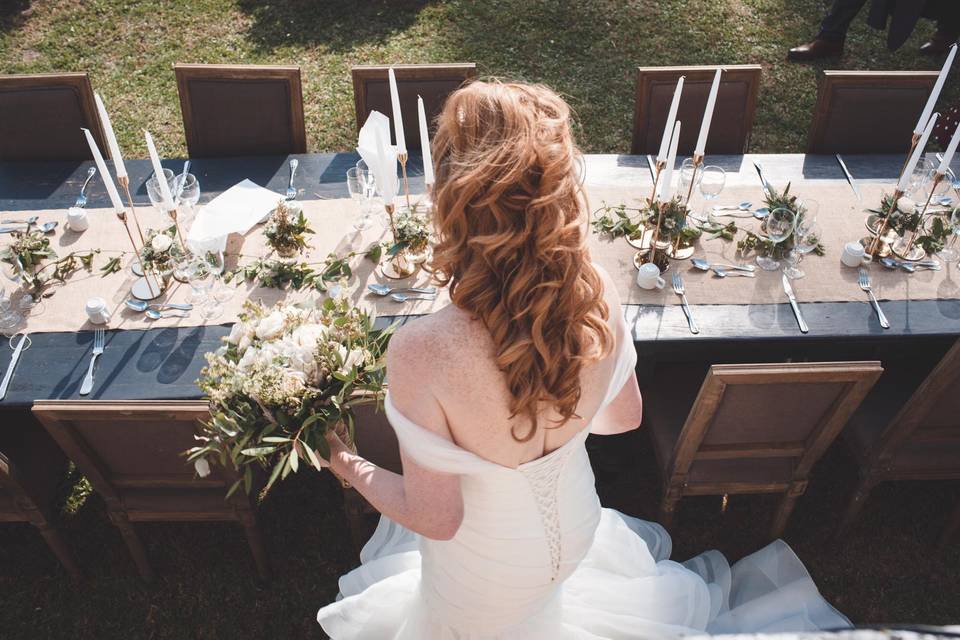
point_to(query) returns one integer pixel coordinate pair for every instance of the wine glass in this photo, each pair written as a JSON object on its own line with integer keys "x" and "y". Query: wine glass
{"x": 712, "y": 180}
{"x": 356, "y": 185}
{"x": 186, "y": 191}
{"x": 778, "y": 226}
{"x": 369, "y": 182}
{"x": 806, "y": 237}
{"x": 928, "y": 187}
{"x": 200, "y": 277}
{"x": 687, "y": 170}
{"x": 9, "y": 317}
{"x": 949, "y": 253}
{"x": 153, "y": 189}
{"x": 217, "y": 262}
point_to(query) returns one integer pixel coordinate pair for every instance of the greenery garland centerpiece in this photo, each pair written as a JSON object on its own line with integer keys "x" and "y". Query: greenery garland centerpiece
{"x": 621, "y": 221}
{"x": 411, "y": 235}
{"x": 29, "y": 250}
{"x": 908, "y": 221}
{"x": 760, "y": 244}
{"x": 298, "y": 276}
{"x": 161, "y": 251}
{"x": 283, "y": 378}
{"x": 286, "y": 230}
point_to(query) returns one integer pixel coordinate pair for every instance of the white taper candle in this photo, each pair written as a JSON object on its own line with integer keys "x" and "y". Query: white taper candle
{"x": 904, "y": 183}
{"x": 667, "y": 192}
{"x": 104, "y": 175}
{"x": 671, "y": 118}
{"x": 397, "y": 118}
{"x": 158, "y": 170}
{"x": 701, "y": 147}
{"x": 118, "y": 166}
{"x": 948, "y": 154}
{"x": 425, "y": 143}
{"x": 935, "y": 94}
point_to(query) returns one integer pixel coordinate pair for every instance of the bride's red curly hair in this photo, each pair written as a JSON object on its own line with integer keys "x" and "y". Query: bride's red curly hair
{"x": 511, "y": 219}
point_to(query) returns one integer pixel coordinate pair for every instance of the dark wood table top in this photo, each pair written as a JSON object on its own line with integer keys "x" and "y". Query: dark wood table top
{"x": 164, "y": 363}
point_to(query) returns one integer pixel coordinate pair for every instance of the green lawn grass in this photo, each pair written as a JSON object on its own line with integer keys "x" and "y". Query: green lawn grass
{"x": 586, "y": 50}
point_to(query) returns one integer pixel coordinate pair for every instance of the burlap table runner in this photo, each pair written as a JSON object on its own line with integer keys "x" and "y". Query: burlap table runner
{"x": 840, "y": 216}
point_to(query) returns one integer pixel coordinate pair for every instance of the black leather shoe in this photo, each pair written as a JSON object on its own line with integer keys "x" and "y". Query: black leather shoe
{"x": 938, "y": 44}
{"x": 816, "y": 50}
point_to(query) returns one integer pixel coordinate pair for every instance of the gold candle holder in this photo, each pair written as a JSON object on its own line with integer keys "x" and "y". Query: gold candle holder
{"x": 402, "y": 157}
{"x": 125, "y": 183}
{"x": 697, "y": 162}
{"x": 658, "y": 169}
{"x": 914, "y": 141}
{"x": 909, "y": 252}
{"x": 874, "y": 248}
{"x": 152, "y": 291}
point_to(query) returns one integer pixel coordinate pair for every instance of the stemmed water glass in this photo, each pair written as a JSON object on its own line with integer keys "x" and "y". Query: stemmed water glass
{"x": 201, "y": 277}
{"x": 949, "y": 253}
{"x": 357, "y": 186}
{"x": 806, "y": 237}
{"x": 687, "y": 170}
{"x": 9, "y": 317}
{"x": 189, "y": 196}
{"x": 221, "y": 291}
{"x": 712, "y": 180}
{"x": 778, "y": 227}
{"x": 153, "y": 189}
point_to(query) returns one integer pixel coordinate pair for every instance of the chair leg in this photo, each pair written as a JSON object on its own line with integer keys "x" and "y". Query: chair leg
{"x": 255, "y": 540}
{"x": 855, "y": 506}
{"x": 953, "y": 528}
{"x": 134, "y": 544}
{"x": 668, "y": 507}
{"x": 60, "y": 549}
{"x": 785, "y": 508}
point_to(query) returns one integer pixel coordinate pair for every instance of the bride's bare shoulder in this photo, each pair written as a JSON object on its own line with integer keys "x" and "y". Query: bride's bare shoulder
{"x": 430, "y": 345}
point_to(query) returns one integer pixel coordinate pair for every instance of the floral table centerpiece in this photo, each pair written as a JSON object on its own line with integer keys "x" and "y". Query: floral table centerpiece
{"x": 762, "y": 245}
{"x": 286, "y": 230}
{"x": 284, "y": 377}
{"x": 412, "y": 235}
{"x": 161, "y": 251}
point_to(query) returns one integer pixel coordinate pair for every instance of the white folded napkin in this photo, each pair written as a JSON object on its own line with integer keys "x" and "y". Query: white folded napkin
{"x": 236, "y": 210}
{"x": 373, "y": 145}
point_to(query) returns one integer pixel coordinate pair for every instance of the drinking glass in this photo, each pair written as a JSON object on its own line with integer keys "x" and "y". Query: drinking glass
{"x": 369, "y": 182}
{"x": 949, "y": 253}
{"x": 200, "y": 277}
{"x": 778, "y": 226}
{"x": 221, "y": 291}
{"x": 712, "y": 179}
{"x": 153, "y": 189}
{"x": 686, "y": 174}
{"x": 356, "y": 185}
{"x": 9, "y": 317}
{"x": 186, "y": 192}
{"x": 805, "y": 239}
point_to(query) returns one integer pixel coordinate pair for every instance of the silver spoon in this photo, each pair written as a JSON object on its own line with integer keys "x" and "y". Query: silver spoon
{"x": 910, "y": 267}
{"x": 703, "y": 265}
{"x": 291, "y": 192}
{"x": 402, "y": 297}
{"x": 761, "y": 213}
{"x": 384, "y": 290}
{"x": 141, "y": 306}
{"x": 153, "y": 314}
{"x": 32, "y": 220}
{"x": 47, "y": 227}
{"x": 82, "y": 198}
{"x": 723, "y": 273}
{"x": 743, "y": 206}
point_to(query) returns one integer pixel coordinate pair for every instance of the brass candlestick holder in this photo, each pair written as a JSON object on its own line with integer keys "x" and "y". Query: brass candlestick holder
{"x": 125, "y": 183}
{"x": 697, "y": 163}
{"x": 658, "y": 169}
{"x": 397, "y": 267}
{"x": 914, "y": 141}
{"x": 146, "y": 287}
{"x": 875, "y": 245}
{"x": 402, "y": 157}
{"x": 904, "y": 247}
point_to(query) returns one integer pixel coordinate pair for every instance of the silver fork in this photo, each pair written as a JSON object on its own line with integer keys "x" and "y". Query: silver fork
{"x": 865, "y": 285}
{"x": 82, "y": 198}
{"x": 98, "y": 343}
{"x": 678, "y": 289}
{"x": 291, "y": 192}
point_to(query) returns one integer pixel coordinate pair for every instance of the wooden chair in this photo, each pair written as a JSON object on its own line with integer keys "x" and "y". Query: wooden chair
{"x": 31, "y": 468}
{"x": 131, "y": 451}
{"x": 732, "y": 116}
{"x": 868, "y": 111}
{"x": 752, "y": 428}
{"x": 376, "y": 442}
{"x": 41, "y": 117}
{"x": 433, "y": 82}
{"x": 241, "y": 110}
{"x": 920, "y": 442}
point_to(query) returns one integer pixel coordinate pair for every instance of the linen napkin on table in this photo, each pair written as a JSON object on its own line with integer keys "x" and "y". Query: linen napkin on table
{"x": 373, "y": 145}
{"x": 236, "y": 210}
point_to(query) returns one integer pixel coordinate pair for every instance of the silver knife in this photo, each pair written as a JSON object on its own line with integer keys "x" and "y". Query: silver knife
{"x": 652, "y": 167}
{"x": 793, "y": 303}
{"x": 767, "y": 189}
{"x": 13, "y": 363}
{"x": 850, "y": 180}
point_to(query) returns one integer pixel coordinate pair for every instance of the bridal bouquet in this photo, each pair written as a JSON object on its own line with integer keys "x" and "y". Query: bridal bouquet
{"x": 283, "y": 377}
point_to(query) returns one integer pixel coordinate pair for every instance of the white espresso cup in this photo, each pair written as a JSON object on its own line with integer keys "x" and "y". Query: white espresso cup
{"x": 97, "y": 311}
{"x": 648, "y": 277}
{"x": 77, "y": 219}
{"x": 854, "y": 255}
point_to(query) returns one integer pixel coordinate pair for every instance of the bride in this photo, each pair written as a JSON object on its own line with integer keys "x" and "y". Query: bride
{"x": 495, "y": 530}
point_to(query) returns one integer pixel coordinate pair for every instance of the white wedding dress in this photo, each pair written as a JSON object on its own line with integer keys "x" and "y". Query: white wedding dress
{"x": 537, "y": 558}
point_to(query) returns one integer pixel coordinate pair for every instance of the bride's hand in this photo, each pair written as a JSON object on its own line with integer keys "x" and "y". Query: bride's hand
{"x": 336, "y": 446}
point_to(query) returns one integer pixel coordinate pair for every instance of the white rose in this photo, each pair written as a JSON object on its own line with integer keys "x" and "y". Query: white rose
{"x": 270, "y": 327}
{"x": 245, "y": 341}
{"x": 906, "y": 205}
{"x": 307, "y": 335}
{"x": 237, "y": 332}
{"x": 161, "y": 242}
{"x": 202, "y": 467}
{"x": 354, "y": 358}
{"x": 247, "y": 360}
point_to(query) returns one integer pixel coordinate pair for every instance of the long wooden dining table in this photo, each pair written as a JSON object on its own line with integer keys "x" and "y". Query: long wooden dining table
{"x": 163, "y": 363}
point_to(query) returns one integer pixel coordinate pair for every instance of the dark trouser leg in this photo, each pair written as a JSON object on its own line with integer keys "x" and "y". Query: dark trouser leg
{"x": 836, "y": 23}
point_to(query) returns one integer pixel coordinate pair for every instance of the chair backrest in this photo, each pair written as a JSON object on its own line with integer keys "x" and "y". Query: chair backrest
{"x": 732, "y": 116}
{"x": 785, "y": 411}
{"x": 868, "y": 111}
{"x": 122, "y": 446}
{"x": 433, "y": 82}
{"x": 241, "y": 110}
{"x": 41, "y": 117}
{"x": 931, "y": 417}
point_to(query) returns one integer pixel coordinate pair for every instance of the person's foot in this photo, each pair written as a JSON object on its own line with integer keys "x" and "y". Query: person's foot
{"x": 816, "y": 49}
{"x": 938, "y": 44}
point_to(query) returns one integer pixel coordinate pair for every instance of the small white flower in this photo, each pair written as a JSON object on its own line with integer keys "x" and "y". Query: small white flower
{"x": 354, "y": 358}
{"x": 161, "y": 242}
{"x": 270, "y": 327}
{"x": 237, "y": 332}
{"x": 202, "y": 467}
{"x": 247, "y": 360}
{"x": 906, "y": 205}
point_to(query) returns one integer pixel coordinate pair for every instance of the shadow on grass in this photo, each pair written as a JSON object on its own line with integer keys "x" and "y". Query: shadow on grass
{"x": 13, "y": 13}
{"x": 338, "y": 26}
